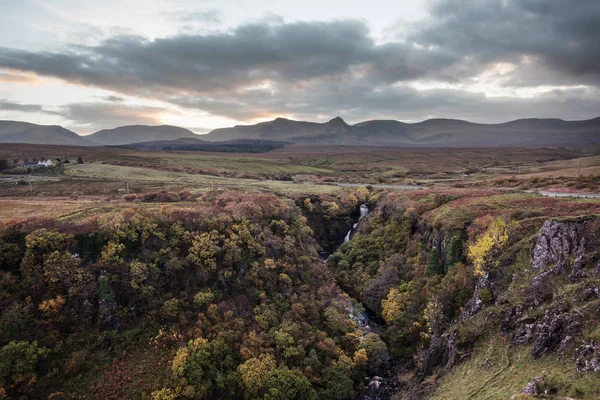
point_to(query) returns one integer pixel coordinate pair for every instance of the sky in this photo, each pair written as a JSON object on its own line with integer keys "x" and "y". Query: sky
{"x": 206, "y": 64}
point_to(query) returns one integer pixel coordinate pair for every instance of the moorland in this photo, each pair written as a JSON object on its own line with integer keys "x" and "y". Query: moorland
{"x": 131, "y": 273}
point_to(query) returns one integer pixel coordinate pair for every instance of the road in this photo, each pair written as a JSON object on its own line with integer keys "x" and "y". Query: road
{"x": 408, "y": 187}
{"x": 566, "y": 194}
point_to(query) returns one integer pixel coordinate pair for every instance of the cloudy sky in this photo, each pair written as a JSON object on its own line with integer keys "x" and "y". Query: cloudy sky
{"x": 204, "y": 64}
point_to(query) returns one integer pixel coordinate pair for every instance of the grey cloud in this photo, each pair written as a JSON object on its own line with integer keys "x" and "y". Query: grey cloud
{"x": 113, "y": 99}
{"x": 6, "y": 105}
{"x": 400, "y": 102}
{"x": 89, "y": 117}
{"x": 315, "y": 68}
{"x": 558, "y": 35}
{"x": 204, "y": 16}
{"x": 249, "y": 55}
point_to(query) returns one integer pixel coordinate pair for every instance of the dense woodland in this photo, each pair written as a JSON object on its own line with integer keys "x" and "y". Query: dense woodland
{"x": 230, "y": 296}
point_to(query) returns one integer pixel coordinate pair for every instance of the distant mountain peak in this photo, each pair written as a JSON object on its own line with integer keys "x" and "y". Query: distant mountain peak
{"x": 337, "y": 121}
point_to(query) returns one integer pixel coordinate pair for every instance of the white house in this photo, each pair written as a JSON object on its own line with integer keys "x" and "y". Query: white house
{"x": 45, "y": 163}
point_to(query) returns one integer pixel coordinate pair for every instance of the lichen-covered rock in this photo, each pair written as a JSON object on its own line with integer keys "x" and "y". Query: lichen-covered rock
{"x": 476, "y": 304}
{"x": 532, "y": 388}
{"x": 587, "y": 358}
{"x": 540, "y": 290}
{"x": 441, "y": 352}
{"x": 554, "y": 331}
{"x": 556, "y": 243}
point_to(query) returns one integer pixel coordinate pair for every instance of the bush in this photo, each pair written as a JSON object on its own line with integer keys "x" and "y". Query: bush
{"x": 485, "y": 295}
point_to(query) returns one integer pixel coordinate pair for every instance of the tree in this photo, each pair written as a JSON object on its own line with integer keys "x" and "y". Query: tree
{"x": 79, "y": 160}
{"x": 337, "y": 385}
{"x": 454, "y": 253}
{"x": 207, "y": 366}
{"x": 434, "y": 264}
{"x": 308, "y": 205}
{"x": 203, "y": 297}
{"x": 4, "y": 165}
{"x": 396, "y": 303}
{"x": 204, "y": 250}
{"x": 255, "y": 373}
{"x": 493, "y": 240}
{"x": 18, "y": 363}
{"x": 287, "y": 384}
{"x": 377, "y": 351}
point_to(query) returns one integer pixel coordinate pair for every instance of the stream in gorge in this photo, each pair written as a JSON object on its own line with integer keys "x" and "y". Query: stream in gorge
{"x": 376, "y": 385}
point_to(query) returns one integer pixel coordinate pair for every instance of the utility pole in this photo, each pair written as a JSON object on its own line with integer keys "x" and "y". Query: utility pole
{"x": 127, "y": 183}
{"x": 579, "y": 170}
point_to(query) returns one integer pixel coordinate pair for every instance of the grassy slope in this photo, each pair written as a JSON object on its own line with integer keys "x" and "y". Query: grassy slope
{"x": 498, "y": 370}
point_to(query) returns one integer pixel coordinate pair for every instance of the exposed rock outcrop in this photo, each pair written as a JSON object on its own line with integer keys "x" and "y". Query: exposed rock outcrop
{"x": 587, "y": 357}
{"x": 554, "y": 331}
{"x": 441, "y": 352}
{"x": 557, "y": 243}
{"x": 475, "y": 304}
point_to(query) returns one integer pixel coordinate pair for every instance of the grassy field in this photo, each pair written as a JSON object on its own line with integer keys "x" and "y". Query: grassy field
{"x": 109, "y": 173}
{"x": 189, "y": 181}
{"x": 352, "y": 164}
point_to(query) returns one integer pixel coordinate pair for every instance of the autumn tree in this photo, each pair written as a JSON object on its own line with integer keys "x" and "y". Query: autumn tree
{"x": 483, "y": 251}
{"x": 255, "y": 373}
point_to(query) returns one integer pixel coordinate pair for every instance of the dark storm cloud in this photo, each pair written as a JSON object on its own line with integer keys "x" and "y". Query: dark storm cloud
{"x": 250, "y": 54}
{"x": 560, "y": 39}
{"x": 316, "y": 68}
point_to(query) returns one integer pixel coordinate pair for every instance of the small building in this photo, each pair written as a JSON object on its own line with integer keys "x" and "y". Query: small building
{"x": 30, "y": 164}
{"x": 45, "y": 163}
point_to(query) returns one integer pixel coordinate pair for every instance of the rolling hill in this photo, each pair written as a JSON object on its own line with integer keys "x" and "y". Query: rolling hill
{"x": 139, "y": 133}
{"x": 24, "y": 132}
{"x": 432, "y": 132}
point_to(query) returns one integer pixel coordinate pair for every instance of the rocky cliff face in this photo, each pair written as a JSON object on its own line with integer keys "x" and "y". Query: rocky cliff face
{"x": 541, "y": 312}
{"x": 559, "y": 244}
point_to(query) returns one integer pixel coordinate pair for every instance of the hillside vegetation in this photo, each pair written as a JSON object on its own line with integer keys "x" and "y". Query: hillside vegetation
{"x": 225, "y": 296}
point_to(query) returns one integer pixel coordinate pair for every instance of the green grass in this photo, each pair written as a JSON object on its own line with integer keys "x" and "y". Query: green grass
{"x": 246, "y": 165}
{"x": 194, "y": 181}
{"x": 498, "y": 370}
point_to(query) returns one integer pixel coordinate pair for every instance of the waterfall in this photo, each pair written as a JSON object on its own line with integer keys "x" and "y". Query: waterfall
{"x": 364, "y": 210}
{"x": 347, "y": 238}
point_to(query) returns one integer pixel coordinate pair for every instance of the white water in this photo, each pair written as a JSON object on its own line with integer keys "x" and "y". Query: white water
{"x": 364, "y": 210}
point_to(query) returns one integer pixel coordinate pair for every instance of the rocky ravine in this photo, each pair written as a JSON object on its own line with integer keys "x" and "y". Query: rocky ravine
{"x": 535, "y": 309}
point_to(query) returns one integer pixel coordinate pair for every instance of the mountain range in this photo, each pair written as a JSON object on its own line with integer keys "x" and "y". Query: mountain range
{"x": 432, "y": 132}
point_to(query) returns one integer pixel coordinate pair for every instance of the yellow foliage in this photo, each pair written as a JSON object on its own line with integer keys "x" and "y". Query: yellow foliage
{"x": 487, "y": 245}
{"x": 255, "y": 372}
{"x": 178, "y": 364}
{"x": 52, "y": 306}
{"x": 111, "y": 253}
{"x": 395, "y": 305}
{"x": 360, "y": 358}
